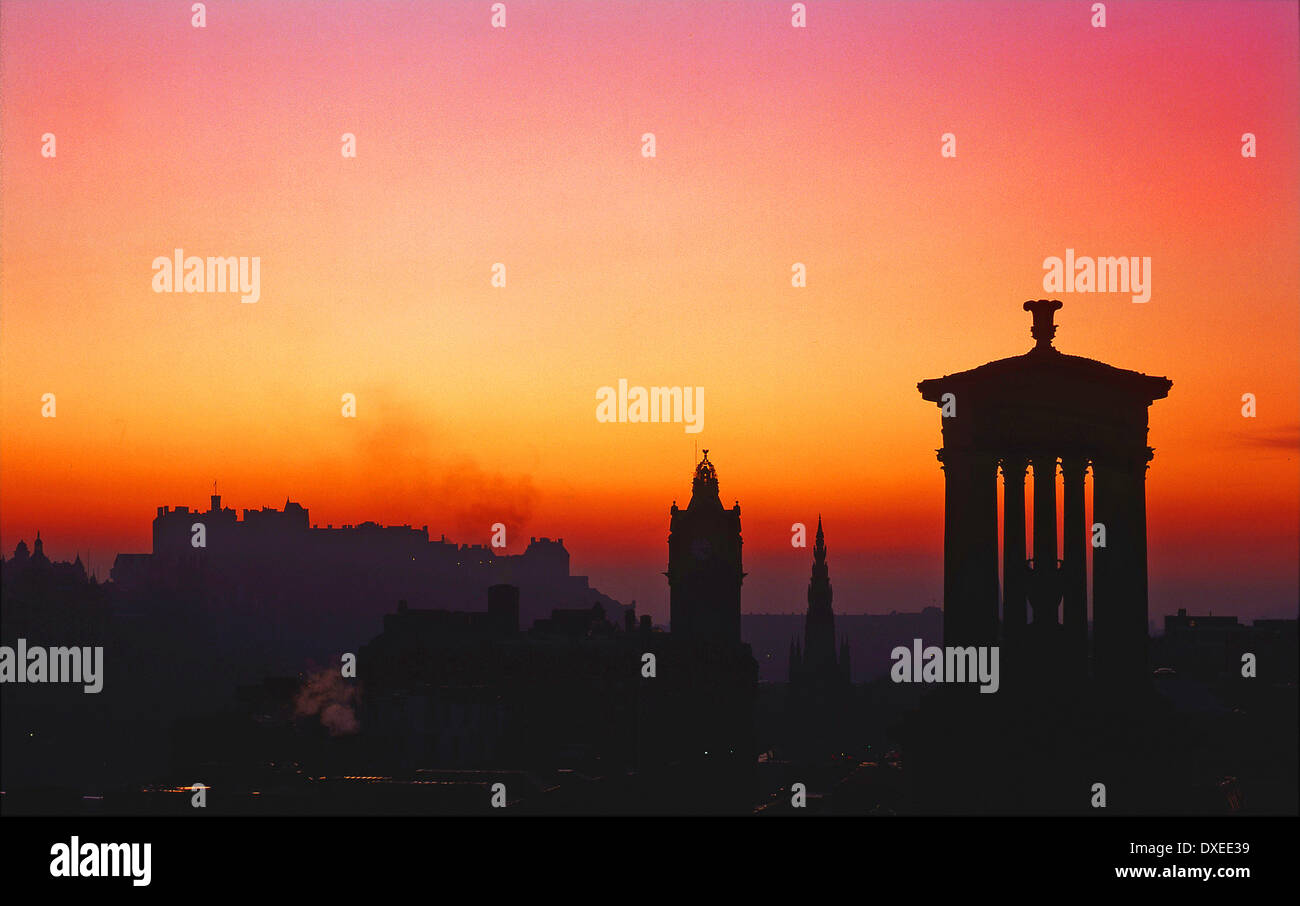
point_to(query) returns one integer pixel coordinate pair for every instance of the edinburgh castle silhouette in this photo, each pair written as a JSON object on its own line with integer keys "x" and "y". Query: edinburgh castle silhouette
{"x": 475, "y": 668}
{"x": 281, "y": 578}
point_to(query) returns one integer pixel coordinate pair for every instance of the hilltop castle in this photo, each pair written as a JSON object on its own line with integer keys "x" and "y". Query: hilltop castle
{"x": 277, "y": 576}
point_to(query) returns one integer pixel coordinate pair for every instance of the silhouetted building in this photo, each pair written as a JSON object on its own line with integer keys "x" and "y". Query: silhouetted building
{"x": 1181, "y": 622}
{"x": 48, "y": 599}
{"x": 819, "y": 716}
{"x": 1041, "y": 409}
{"x": 46, "y": 728}
{"x": 704, "y": 564}
{"x": 1038, "y": 743}
{"x": 499, "y": 621}
{"x": 284, "y": 589}
{"x": 450, "y": 689}
{"x": 816, "y": 660}
{"x": 1210, "y": 648}
{"x": 576, "y": 623}
{"x": 870, "y": 636}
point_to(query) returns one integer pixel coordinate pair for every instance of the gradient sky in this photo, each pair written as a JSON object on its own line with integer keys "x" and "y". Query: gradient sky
{"x": 522, "y": 145}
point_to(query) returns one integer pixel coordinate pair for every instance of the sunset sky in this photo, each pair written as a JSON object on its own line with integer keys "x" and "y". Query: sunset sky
{"x": 522, "y": 145}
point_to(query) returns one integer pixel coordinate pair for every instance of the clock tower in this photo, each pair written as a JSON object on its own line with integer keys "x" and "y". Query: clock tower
{"x": 704, "y": 564}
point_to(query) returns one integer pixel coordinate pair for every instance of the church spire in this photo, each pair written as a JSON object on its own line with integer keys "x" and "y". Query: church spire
{"x": 819, "y": 631}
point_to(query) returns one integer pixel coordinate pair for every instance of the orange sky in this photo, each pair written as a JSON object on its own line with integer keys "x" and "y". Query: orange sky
{"x": 522, "y": 146}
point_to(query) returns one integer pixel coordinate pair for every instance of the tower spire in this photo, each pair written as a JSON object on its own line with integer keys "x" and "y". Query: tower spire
{"x": 819, "y": 626}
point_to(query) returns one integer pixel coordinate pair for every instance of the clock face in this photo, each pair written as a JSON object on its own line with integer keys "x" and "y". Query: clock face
{"x": 702, "y": 549}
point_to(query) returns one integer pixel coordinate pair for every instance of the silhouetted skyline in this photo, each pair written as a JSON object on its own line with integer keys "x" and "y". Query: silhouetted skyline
{"x": 476, "y": 403}
{"x": 629, "y": 410}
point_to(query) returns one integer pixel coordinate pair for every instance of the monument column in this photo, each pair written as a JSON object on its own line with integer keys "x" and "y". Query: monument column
{"x": 1120, "y": 568}
{"x": 1013, "y": 546}
{"x": 984, "y": 553}
{"x": 956, "y": 491}
{"x": 1137, "y": 637}
{"x": 1047, "y": 596}
{"x": 970, "y": 556}
{"x": 1074, "y": 468}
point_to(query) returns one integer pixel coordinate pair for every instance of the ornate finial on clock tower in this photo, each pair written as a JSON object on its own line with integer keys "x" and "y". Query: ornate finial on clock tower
{"x": 706, "y": 477}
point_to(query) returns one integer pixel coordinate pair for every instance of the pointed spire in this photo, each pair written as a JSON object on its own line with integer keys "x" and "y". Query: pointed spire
{"x": 38, "y": 551}
{"x": 819, "y": 624}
